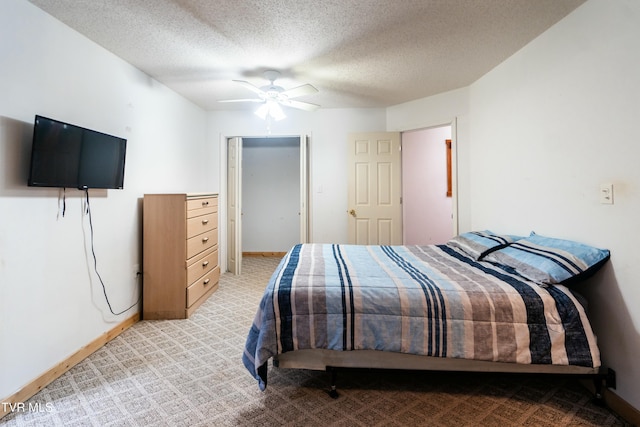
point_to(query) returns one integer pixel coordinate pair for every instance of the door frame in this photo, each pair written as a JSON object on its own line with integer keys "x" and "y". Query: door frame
{"x": 454, "y": 173}
{"x": 453, "y": 123}
{"x": 233, "y": 211}
{"x": 450, "y": 160}
{"x": 305, "y": 194}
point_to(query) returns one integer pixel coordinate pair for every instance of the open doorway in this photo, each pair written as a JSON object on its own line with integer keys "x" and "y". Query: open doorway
{"x": 426, "y": 186}
{"x": 270, "y": 195}
{"x": 267, "y": 196}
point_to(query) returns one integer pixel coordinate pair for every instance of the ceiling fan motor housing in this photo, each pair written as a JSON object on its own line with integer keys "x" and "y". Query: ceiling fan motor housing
{"x": 272, "y": 91}
{"x": 271, "y": 75}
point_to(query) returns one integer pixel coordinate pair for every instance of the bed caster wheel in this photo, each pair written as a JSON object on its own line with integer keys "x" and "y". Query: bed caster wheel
{"x": 598, "y": 400}
{"x": 333, "y": 393}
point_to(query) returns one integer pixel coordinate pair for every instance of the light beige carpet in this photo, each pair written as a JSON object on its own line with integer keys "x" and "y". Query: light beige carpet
{"x": 190, "y": 373}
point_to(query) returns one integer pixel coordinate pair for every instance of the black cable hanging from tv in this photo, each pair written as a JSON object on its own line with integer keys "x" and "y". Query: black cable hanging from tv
{"x": 62, "y": 198}
{"x": 95, "y": 261}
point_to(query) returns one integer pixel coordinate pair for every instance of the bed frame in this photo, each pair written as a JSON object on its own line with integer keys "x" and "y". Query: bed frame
{"x": 332, "y": 360}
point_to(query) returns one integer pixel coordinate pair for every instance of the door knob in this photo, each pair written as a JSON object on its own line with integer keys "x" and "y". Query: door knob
{"x": 352, "y": 212}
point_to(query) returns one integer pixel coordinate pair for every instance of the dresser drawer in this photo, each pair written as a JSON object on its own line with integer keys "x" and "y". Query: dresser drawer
{"x": 200, "y": 224}
{"x": 202, "y": 265}
{"x": 203, "y": 285}
{"x": 201, "y": 242}
{"x": 201, "y": 206}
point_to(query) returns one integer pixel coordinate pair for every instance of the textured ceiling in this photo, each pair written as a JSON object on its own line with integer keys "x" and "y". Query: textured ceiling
{"x": 358, "y": 53}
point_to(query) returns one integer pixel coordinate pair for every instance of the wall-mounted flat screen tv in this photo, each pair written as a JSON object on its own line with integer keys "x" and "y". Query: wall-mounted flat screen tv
{"x": 68, "y": 156}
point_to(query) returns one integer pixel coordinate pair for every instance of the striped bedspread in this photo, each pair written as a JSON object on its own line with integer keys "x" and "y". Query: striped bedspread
{"x": 427, "y": 300}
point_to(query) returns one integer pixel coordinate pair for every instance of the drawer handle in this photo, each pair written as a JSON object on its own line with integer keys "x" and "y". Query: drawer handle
{"x": 206, "y": 281}
{"x": 204, "y": 264}
{"x": 205, "y": 221}
{"x": 205, "y": 203}
{"x": 205, "y": 239}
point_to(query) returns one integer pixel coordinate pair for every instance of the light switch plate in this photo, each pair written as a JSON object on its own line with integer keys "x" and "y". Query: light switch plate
{"x": 606, "y": 194}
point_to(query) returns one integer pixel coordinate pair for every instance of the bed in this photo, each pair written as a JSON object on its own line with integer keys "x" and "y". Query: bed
{"x": 481, "y": 302}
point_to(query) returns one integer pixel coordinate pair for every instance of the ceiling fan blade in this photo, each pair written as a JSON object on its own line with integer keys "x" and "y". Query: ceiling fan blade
{"x": 241, "y": 100}
{"x": 305, "y": 89}
{"x": 307, "y": 106}
{"x": 250, "y": 87}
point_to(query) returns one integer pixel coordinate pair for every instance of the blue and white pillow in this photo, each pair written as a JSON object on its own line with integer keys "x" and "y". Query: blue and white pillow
{"x": 550, "y": 261}
{"x": 477, "y": 244}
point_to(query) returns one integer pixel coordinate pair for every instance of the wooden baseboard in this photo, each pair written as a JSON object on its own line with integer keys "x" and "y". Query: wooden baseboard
{"x": 617, "y": 404}
{"x": 265, "y": 254}
{"x": 49, "y": 376}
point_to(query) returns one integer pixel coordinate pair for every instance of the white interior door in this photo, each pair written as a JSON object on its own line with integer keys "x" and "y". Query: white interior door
{"x": 234, "y": 205}
{"x": 375, "y": 189}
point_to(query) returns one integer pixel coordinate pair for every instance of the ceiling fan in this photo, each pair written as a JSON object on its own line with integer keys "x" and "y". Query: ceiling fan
{"x": 272, "y": 97}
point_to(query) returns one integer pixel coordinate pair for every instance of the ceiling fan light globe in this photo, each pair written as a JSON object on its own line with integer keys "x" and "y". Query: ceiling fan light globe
{"x": 276, "y": 111}
{"x": 270, "y": 109}
{"x": 262, "y": 111}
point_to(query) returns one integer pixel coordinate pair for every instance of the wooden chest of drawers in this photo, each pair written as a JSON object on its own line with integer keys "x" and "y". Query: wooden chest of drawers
{"x": 180, "y": 253}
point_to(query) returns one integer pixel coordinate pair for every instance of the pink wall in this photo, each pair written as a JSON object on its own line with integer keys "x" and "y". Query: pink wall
{"x": 427, "y": 210}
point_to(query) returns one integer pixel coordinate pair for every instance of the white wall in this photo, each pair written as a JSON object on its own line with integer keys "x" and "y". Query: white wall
{"x": 548, "y": 126}
{"x": 51, "y": 303}
{"x": 328, "y": 131}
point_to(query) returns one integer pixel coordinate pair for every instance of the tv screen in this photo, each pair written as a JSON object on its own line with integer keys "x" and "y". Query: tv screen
{"x": 69, "y": 156}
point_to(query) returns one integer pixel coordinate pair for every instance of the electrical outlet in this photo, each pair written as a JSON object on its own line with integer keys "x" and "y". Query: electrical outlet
{"x": 136, "y": 271}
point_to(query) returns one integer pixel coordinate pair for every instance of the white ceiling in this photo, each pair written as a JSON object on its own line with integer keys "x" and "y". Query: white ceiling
{"x": 358, "y": 53}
